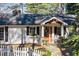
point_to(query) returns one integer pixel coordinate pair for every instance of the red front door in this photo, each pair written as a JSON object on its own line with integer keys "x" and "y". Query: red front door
{"x": 48, "y": 34}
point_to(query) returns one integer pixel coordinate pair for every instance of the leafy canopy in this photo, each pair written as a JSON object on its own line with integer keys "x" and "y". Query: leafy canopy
{"x": 42, "y": 8}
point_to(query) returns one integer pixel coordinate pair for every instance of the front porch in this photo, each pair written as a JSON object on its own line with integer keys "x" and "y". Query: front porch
{"x": 49, "y": 31}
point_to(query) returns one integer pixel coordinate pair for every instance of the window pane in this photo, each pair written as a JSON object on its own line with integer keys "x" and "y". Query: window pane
{"x": 32, "y": 30}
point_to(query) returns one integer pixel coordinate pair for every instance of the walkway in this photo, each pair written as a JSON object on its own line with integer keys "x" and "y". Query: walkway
{"x": 55, "y": 50}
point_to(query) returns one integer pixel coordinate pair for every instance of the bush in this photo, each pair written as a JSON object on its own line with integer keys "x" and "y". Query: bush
{"x": 45, "y": 42}
{"x": 45, "y": 52}
{"x": 72, "y": 43}
{"x": 48, "y": 53}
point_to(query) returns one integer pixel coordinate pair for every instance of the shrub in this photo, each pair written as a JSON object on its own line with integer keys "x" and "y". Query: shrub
{"x": 47, "y": 53}
{"x": 45, "y": 42}
{"x": 72, "y": 44}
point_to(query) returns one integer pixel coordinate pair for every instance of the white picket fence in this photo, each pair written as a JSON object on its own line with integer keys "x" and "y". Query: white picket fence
{"x": 6, "y": 50}
{"x": 20, "y": 52}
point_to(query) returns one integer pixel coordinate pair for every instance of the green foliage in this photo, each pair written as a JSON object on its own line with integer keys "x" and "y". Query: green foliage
{"x": 45, "y": 52}
{"x": 72, "y": 44}
{"x": 72, "y": 28}
{"x": 44, "y": 42}
{"x": 42, "y": 8}
{"x": 72, "y": 8}
{"x": 77, "y": 18}
{"x": 49, "y": 53}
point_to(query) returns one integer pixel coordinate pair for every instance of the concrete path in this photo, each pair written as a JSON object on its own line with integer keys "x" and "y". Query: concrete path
{"x": 55, "y": 50}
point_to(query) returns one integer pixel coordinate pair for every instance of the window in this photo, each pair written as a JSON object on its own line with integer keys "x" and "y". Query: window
{"x": 1, "y": 33}
{"x": 57, "y": 30}
{"x": 30, "y": 30}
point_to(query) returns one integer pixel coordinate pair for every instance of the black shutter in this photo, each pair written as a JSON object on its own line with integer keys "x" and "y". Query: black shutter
{"x": 38, "y": 30}
{"x": 6, "y": 34}
{"x": 1, "y": 33}
{"x": 27, "y": 30}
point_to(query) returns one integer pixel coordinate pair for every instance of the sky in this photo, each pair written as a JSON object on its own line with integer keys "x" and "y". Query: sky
{"x": 7, "y": 7}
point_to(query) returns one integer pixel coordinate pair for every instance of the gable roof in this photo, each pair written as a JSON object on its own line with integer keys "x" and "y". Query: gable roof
{"x": 34, "y": 19}
{"x": 55, "y": 19}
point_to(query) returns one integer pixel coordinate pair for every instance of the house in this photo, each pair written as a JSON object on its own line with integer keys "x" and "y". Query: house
{"x": 24, "y": 28}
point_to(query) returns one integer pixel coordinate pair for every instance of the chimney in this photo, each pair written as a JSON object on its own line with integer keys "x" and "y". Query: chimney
{"x": 16, "y": 12}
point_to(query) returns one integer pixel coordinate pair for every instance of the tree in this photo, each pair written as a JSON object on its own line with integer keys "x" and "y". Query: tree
{"x": 72, "y": 8}
{"x": 42, "y": 8}
{"x": 72, "y": 44}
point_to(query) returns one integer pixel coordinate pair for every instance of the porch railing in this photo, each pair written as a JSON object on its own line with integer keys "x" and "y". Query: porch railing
{"x": 27, "y": 39}
{"x": 37, "y": 39}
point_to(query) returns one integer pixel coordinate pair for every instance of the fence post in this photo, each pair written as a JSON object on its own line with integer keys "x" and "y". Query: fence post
{"x": 16, "y": 51}
{"x": 24, "y": 51}
{"x": 27, "y": 49}
{"x": 19, "y": 52}
{"x": 1, "y": 50}
{"x": 6, "y": 50}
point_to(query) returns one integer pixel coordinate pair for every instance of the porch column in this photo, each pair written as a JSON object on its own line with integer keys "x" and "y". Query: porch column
{"x": 52, "y": 34}
{"x": 25, "y": 34}
{"x": 62, "y": 30}
{"x": 42, "y": 32}
{"x": 26, "y": 30}
{"x": 35, "y": 30}
{"x": 67, "y": 33}
{"x": 4, "y": 34}
{"x": 22, "y": 36}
